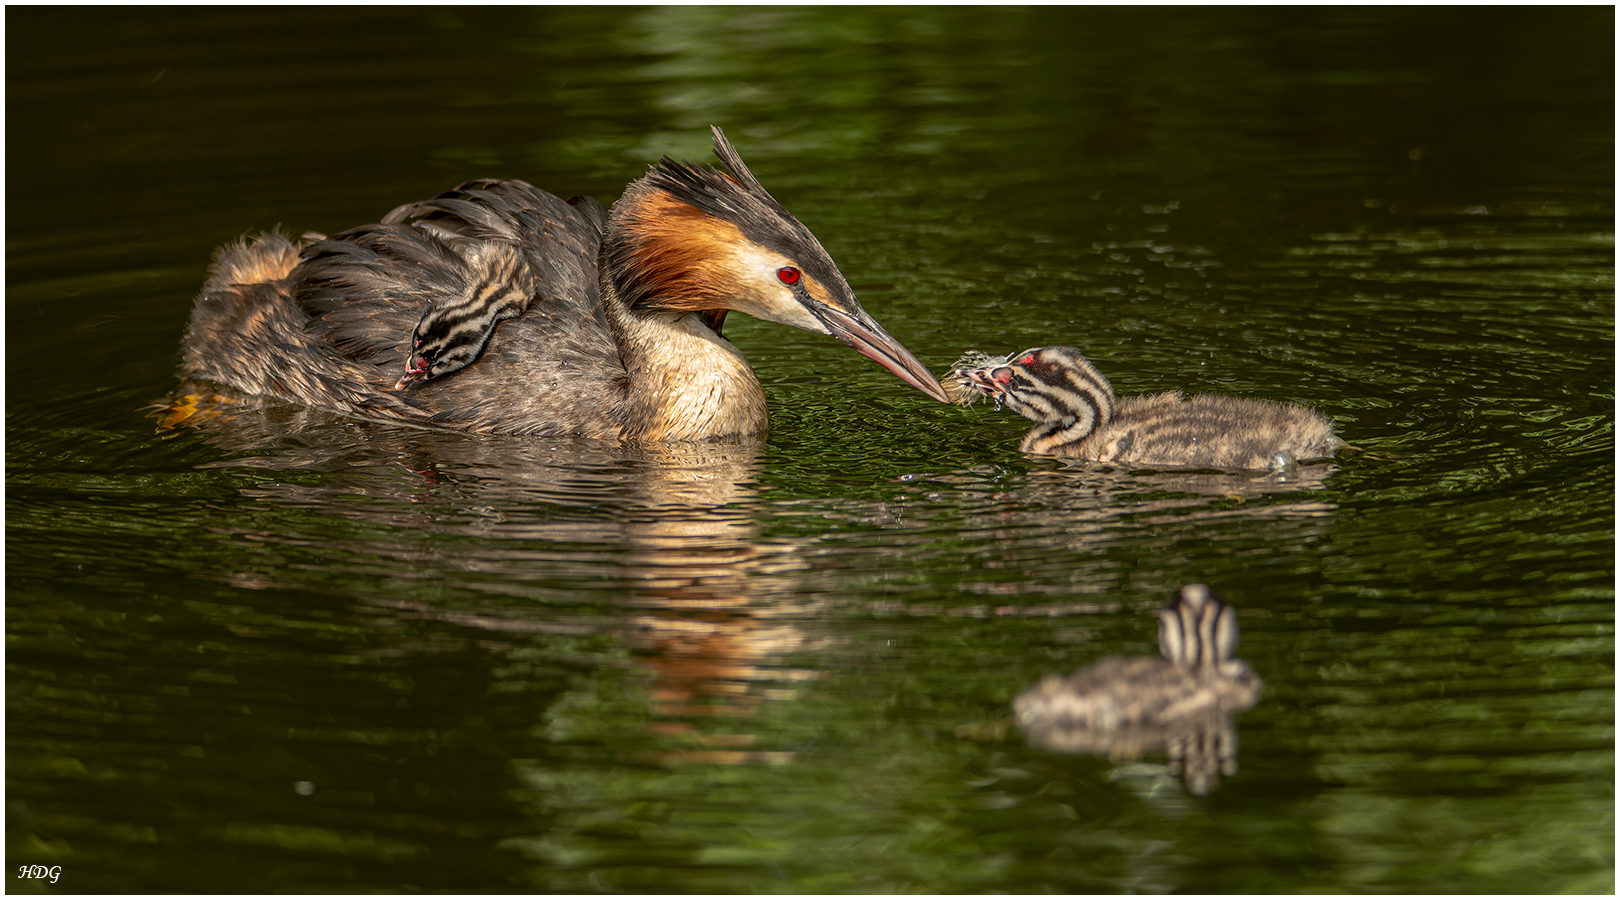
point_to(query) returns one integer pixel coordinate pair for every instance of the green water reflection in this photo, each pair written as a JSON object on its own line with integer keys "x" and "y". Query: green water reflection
{"x": 298, "y": 653}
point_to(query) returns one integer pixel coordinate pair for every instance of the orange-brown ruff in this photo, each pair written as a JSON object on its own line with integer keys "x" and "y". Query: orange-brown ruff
{"x": 497, "y": 307}
{"x": 1077, "y": 415}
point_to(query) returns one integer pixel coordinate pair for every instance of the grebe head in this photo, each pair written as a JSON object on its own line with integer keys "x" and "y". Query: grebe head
{"x": 686, "y": 238}
{"x": 1198, "y": 630}
{"x": 1053, "y": 385}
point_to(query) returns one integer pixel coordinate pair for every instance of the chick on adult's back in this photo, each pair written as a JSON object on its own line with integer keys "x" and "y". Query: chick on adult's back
{"x": 497, "y": 307}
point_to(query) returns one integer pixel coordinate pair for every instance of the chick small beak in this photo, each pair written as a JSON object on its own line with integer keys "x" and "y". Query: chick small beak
{"x": 985, "y": 380}
{"x": 871, "y": 341}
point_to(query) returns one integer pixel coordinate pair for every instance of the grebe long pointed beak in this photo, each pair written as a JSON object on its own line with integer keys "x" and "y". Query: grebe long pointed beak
{"x": 869, "y": 339}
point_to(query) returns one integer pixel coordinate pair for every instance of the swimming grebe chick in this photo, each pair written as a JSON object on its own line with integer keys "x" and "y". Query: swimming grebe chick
{"x": 1195, "y": 676}
{"x": 497, "y": 307}
{"x": 1076, "y": 414}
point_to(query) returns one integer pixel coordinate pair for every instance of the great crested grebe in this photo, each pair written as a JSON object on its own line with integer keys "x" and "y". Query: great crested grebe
{"x": 1196, "y": 676}
{"x": 497, "y": 307}
{"x": 1077, "y": 415}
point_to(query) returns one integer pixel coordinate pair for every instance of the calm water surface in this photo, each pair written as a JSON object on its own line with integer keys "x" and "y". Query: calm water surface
{"x": 295, "y": 652}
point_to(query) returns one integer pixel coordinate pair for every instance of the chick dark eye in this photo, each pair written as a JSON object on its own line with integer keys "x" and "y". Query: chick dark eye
{"x": 788, "y": 275}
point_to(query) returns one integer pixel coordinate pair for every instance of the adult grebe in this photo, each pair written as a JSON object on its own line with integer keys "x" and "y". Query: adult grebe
{"x": 497, "y": 307}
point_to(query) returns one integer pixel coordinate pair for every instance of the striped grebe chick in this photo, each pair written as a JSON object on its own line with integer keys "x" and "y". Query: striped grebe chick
{"x": 1195, "y": 676}
{"x": 1076, "y": 414}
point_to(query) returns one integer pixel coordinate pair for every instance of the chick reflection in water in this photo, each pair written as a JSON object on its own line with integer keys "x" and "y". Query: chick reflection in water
{"x": 1184, "y": 702}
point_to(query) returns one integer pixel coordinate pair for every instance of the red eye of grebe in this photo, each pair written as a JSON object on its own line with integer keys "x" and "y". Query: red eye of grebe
{"x": 788, "y": 275}
{"x": 1028, "y": 360}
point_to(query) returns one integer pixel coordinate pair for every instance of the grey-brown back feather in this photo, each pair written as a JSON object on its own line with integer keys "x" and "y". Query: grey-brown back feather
{"x": 356, "y": 292}
{"x": 334, "y": 331}
{"x": 245, "y": 332}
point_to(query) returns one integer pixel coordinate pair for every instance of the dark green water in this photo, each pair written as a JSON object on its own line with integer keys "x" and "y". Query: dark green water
{"x": 300, "y": 653}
